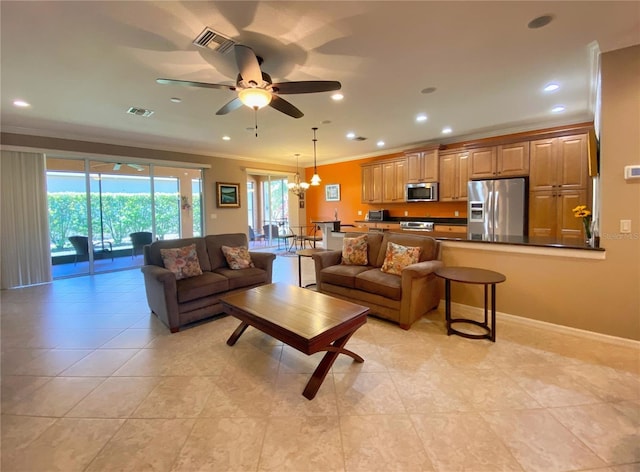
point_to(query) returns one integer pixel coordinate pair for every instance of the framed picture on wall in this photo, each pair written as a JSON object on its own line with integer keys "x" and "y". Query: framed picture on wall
{"x": 301, "y": 203}
{"x": 228, "y": 195}
{"x": 332, "y": 192}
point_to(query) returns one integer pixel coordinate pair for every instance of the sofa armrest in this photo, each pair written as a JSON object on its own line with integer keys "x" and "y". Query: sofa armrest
{"x": 326, "y": 259}
{"x": 264, "y": 261}
{"x": 322, "y": 260}
{"x": 421, "y": 269}
{"x": 162, "y": 294}
{"x": 420, "y": 291}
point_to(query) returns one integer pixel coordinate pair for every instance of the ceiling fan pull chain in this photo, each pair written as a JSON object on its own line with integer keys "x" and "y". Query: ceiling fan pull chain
{"x": 255, "y": 115}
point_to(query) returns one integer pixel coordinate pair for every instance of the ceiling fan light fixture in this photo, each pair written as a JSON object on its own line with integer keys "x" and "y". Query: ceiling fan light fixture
{"x": 254, "y": 97}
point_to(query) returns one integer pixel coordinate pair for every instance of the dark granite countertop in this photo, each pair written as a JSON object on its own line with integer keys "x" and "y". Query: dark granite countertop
{"x": 535, "y": 241}
{"x": 439, "y": 220}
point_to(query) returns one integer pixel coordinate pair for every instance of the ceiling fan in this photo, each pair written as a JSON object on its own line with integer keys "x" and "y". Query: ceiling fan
{"x": 118, "y": 165}
{"x": 255, "y": 87}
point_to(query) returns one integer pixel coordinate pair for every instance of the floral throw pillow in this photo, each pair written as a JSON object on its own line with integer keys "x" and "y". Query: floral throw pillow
{"x": 354, "y": 251}
{"x": 237, "y": 257}
{"x": 182, "y": 261}
{"x": 398, "y": 257}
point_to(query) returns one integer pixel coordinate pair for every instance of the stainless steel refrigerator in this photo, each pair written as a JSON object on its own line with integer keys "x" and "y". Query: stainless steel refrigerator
{"x": 497, "y": 209}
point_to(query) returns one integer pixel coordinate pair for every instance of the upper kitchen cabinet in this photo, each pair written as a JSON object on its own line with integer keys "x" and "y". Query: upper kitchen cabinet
{"x": 372, "y": 183}
{"x": 454, "y": 175}
{"x": 559, "y": 163}
{"x": 508, "y": 160}
{"x": 394, "y": 176}
{"x": 422, "y": 166}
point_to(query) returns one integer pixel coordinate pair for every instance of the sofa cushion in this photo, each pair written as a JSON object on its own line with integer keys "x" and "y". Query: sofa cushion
{"x": 214, "y": 243}
{"x": 237, "y": 257}
{"x": 239, "y": 278}
{"x": 204, "y": 285}
{"x": 428, "y": 244}
{"x": 398, "y": 257}
{"x": 354, "y": 251}
{"x": 380, "y": 283}
{"x": 152, "y": 254}
{"x": 342, "y": 274}
{"x": 182, "y": 261}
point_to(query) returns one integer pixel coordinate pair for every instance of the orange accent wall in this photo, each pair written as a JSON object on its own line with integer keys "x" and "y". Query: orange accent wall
{"x": 348, "y": 175}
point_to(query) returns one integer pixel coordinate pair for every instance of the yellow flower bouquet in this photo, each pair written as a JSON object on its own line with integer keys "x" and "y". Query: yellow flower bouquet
{"x": 581, "y": 212}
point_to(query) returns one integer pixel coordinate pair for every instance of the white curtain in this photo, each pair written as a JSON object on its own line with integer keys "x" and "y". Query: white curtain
{"x": 25, "y": 252}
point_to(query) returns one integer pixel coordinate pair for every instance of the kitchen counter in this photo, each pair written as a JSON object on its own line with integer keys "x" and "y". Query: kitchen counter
{"x": 439, "y": 220}
{"x": 480, "y": 239}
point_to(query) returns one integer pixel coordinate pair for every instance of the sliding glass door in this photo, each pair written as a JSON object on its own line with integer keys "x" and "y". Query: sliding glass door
{"x": 103, "y": 213}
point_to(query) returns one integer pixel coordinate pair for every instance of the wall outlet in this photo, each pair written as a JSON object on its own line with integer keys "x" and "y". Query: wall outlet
{"x": 214, "y": 216}
{"x": 359, "y": 212}
{"x": 456, "y": 213}
{"x": 625, "y": 226}
{"x": 406, "y": 213}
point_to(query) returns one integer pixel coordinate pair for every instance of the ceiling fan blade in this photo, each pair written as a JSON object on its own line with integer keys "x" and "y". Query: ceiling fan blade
{"x": 229, "y": 107}
{"x": 307, "y": 86}
{"x": 248, "y": 64}
{"x": 190, "y": 83}
{"x": 285, "y": 107}
{"x": 117, "y": 166}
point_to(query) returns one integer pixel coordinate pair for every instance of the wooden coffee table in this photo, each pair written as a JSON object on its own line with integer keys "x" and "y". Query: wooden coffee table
{"x": 303, "y": 319}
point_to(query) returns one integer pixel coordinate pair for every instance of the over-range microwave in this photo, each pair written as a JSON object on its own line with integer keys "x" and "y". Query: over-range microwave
{"x": 422, "y": 192}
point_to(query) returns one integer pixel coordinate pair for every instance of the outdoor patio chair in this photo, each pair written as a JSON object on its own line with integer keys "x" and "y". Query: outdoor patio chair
{"x": 81, "y": 246}
{"x": 139, "y": 240}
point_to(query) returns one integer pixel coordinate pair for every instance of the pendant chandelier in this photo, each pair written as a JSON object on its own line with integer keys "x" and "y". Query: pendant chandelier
{"x": 315, "y": 180}
{"x": 297, "y": 187}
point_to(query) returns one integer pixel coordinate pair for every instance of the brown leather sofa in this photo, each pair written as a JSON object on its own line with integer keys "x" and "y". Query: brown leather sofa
{"x": 180, "y": 302}
{"x": 400, "y": 298}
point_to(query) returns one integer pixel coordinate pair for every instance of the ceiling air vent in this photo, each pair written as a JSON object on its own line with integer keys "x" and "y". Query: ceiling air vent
{"x": 213, "y": 40}
{"x": 140, "y": 112}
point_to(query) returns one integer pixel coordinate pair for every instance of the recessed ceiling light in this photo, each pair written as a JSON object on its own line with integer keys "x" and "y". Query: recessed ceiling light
{"x": 428, "y": 90}
{"x": 351, "y": 135}
{"x": 421, "y": 117}
{"x": 380, "y": 143}
{"x": 21, "y": 103}
{"x": 176, "y": 99}
{"x": 540, "y": 22}
{"x": 226, "y": 138}
{"x": 337, "y": 97}
{"x": 552, "y": 87}
{"x": 558, "y": 109}
{"x": 446, "y": 130}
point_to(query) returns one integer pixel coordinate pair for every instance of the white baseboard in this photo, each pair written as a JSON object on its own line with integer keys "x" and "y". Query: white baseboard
{"x": 583, "y": 333}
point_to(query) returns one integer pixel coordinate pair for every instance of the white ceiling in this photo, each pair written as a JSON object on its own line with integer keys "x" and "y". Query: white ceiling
{"x": 81, "y": 65}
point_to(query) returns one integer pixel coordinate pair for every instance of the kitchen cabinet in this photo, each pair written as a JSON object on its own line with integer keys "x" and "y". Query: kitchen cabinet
{"x": 372, "y": 183}
{"x": 507, "y": 160}
{"x": 458, "y": 229}
{"x": 558, "y": 183}
{"x": 422, "y": 166}
{"x": 550, "y": 214}
{"x": 559, "y": 163}
{"x": 394, "y": 176}
{"x": 454, "y": 174}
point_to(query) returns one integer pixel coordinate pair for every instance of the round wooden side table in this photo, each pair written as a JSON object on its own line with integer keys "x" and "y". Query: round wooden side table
{"x": 472, "y": 275}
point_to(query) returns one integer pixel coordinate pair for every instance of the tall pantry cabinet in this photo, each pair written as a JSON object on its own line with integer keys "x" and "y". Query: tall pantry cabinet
{"x": 558, "y": 182}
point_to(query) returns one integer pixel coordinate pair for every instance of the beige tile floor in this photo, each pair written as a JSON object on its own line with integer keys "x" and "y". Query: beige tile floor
{"x": 92, "y": 382}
